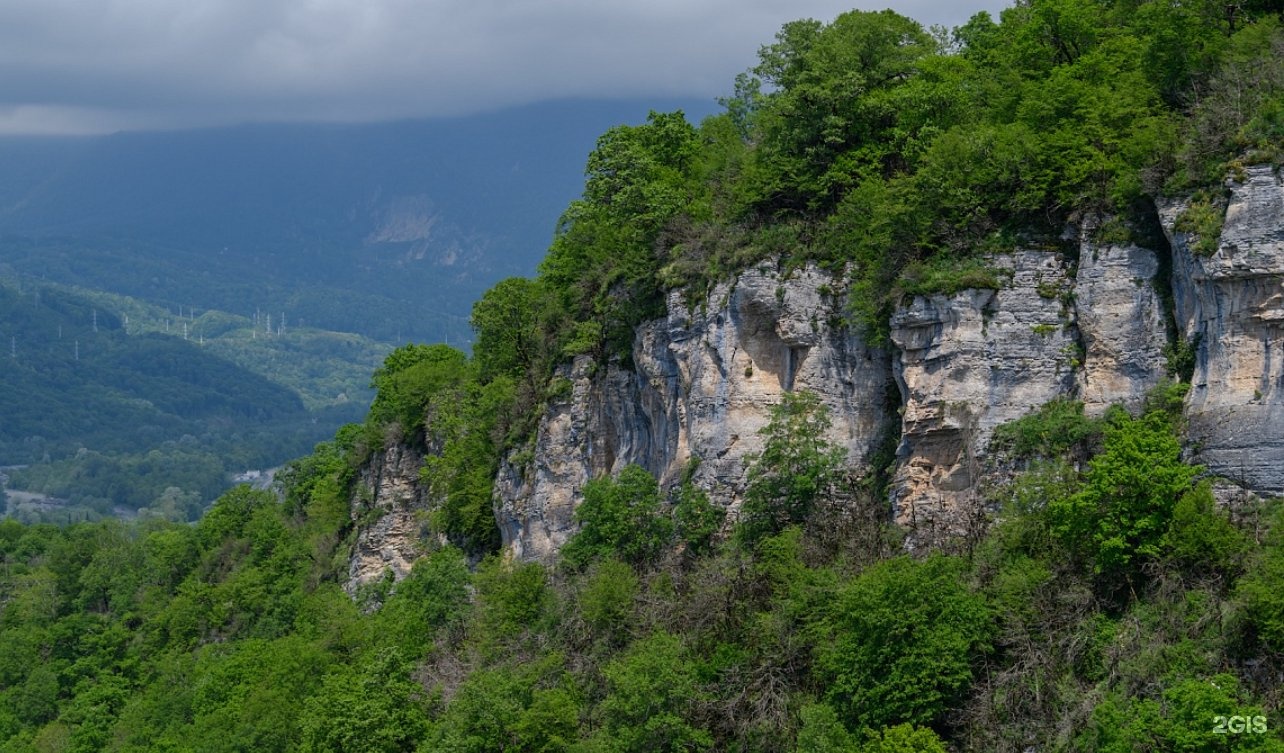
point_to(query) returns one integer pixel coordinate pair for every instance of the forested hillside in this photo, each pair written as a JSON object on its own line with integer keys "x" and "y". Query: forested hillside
{"x": 1108, "y": 603}
{"x": 112, "y": 405}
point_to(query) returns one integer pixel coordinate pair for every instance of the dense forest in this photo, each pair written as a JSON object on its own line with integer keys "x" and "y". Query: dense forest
{"x": 1110, "y": 605}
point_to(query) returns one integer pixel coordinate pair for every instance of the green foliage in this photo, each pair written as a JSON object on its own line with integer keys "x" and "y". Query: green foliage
{"x": 1183, "y": 719}
{"x": 371, "y": 708}
{"x": 1259, "y": 592}
{"x": 601, "y": 264}
{"x": 507, "y": 322}
{"x": 1181, "y": 357}
{"x": 904, "y": 738}
{"x": 948, "y": 276}
{"x": 696, "y": 520}
{"x": 796, "y": 469}
{"x": 833, "y": 116}
{"x": 513, "y": 597}
{"x": 1200, "y": 537}
{"x": 1239, "y": 109}
{"x": 620, "y": 517}
{"x": 1118, "y": 520}
{"x": 233, "y": 635}
{"x": 823, "y": 732}
{"x": 906, "y": 634}
{"x": 518, "y": 708}
{"x": 606, "y": 601}
{"x": 464, "y": 423}
{"x": 1202, "y": 220}
{"x": 434, "y": 595}
{"x": 653, "y": 692}
{"x": 1049, "y": 431}
{"x": 408, "y": 380}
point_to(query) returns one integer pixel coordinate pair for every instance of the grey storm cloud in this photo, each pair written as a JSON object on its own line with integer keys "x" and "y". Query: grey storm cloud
{"x": 102, "y": 65}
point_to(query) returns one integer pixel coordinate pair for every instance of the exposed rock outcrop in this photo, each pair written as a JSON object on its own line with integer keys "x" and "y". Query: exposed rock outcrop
{"x": 703, "y": 385}
{"x": 967, "y": 363}
{"x": 386, "y": 507}
{"x": 1230, "y": 305}
{"x": 702, "y": 380}
{"x": 1122, "y": 323}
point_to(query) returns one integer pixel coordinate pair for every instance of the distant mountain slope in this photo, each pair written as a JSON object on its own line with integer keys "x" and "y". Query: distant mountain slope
{"x": 325, "y": 369}
{"x": 111, "y": 404}
{"x": 390, "y": 230}
{"x": 72, "y": 378}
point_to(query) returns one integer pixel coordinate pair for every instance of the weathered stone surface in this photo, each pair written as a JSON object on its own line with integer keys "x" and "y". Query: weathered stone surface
{"x": 1121, "y": 321}
{"x": 965, "y": 364}
{"x": 703, "y": 380}
{"x": 703, "y": 386}
{"x": 599, "y": 427}
{"x": 1232, "y": 305}
{"x": 388, "y": 492}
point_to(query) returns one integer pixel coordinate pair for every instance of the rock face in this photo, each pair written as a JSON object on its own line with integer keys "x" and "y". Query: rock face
{"x": 965, "y": 364}
{"x": 703, "y": 385}
{"x": 1230, "y": 305}
{"x": 389, "y": 494}
{"x": 1121, "y": 321}
{"x": 703, "y": 380}
{"x": 1093, "y": 330}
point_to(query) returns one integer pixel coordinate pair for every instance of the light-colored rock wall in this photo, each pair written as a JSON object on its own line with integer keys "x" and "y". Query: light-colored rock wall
{"x": 1232, "y": 304}
{"x": 703, "y": 385}
{"x": 1122, "y": 323}
{"x": 386, "y": 505}
{"x": 703, "y": 380}
{"x": 967, "y": 363}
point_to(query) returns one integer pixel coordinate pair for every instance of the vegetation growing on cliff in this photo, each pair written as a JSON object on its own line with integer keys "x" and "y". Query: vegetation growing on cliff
{"x": 234, "y": 634}
{"x": 1111, "y": 606}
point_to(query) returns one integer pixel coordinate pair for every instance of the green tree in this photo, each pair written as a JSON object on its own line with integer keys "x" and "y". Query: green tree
{"x": 905, "y": 637}
{"x": 606, "y": 598}
{"x": 620, "y": 517}
{"x": 904, "y": 738}
{"x": 507, "y": 320}
{"x": 1259, "y": 590}
{"x": 374, "y": 707}
{"x": 602, "y": 264}
{"x": 827, "y": 125}
{"x": 696, "y": 520}
{"x": 525, "y": 708}
{"x": 410, "y": 376}
{"x": 465, "y": 425}
{"x": 796, "y": 468}
{"x": 1120, "y": 517}
{"x": 653, "y": 690}
{"x": 1183, "y": 719}
{"x": 435, "y": 594}
{"x": 823, "y": 732}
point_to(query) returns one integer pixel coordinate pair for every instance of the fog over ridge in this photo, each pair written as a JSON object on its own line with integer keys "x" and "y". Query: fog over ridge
{"x": 95, "y": 66}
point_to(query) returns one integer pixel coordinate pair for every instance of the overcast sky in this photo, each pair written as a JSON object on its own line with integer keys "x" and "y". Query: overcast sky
{"x": 94, "y": 66}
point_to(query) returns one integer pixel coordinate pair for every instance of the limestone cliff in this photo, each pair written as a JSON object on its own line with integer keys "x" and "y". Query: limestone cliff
{"x": 386, "y": 507}
{"x": 1230, "y": 305}
{"x": 965, "y": 364}
{"x": 1091, "y": 320}
{"x": 701, "y": 388}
